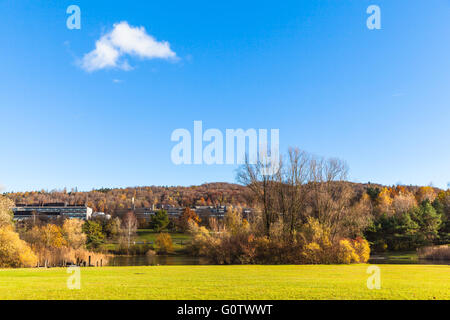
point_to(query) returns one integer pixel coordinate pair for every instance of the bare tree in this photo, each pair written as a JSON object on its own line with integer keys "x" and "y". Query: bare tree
{"x": 255, "y": 177}
{"x": 304, "y": 186}
{"x": 129, "y": 227}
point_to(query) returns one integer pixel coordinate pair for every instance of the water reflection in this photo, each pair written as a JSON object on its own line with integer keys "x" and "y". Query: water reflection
{"x": 174, "y": 260}
{"x": 155, "y": 260}
{"x": 403, "y": 258}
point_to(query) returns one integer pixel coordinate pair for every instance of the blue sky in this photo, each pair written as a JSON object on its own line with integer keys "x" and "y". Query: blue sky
{"x": 379, "y": 99}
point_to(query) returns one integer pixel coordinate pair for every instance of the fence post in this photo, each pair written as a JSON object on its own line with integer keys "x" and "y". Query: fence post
{"x": 89, "y": 261}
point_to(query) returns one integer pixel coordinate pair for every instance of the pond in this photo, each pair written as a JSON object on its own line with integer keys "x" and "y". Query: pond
{"x": 402, "y": 258}
{"x": 173, "y": 260}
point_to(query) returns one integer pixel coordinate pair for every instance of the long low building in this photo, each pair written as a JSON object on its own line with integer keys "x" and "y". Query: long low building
{"x": 52, "y": 211}
{"x": 204, "y": 212}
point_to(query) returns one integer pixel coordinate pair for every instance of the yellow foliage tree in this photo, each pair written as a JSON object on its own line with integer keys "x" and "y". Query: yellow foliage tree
{"x": 362, "y": 249}
{"x": 425, "y": 193}
{"x": 164, "y": 243}
{"x": 233, "y": 220}
{"x": 14, "y": 252}
{"x": 52, "y": 236}
{"x": 347, "y": 253}
{"x": 73, "y": 233}
{"x": 384, "y": 201}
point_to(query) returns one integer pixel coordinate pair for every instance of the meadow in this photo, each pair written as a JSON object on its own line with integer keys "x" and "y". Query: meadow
{"x": 230, "y": 282}
{"x": 145, "y": 237}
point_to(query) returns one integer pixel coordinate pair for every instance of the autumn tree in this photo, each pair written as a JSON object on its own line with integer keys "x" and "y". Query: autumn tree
{"x": 72, "y": 230}
{"x": 164, "y": 243}
{"x": 187, "y": 216}
{"x": 425, "y": 193}
{"x": 52, "y": 236}
{"x": 14, "y": 252}
{"x": 302, "y": 186}
{"x": 403, "y": 202}
{"x": 384, "y": 202}
{"x": 112, "y": 228}
{"x": 233, "y": 220}
{"x": 129, "y": 227}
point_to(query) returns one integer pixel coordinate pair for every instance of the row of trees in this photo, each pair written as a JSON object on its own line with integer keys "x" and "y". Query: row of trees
{"x": 237, "y": 241}
{"x": 29, "y": 244}
{"x": 306, "y": 187}
{"x": 36, "y": 242}
{"x": 307, "y": 212}
{"x": 14, "y": 252}
{"x": 403, "y": 220}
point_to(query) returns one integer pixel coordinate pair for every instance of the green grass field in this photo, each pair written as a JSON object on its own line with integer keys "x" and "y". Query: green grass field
{"x": 180, "y": 240}
{"x": 229, "y": 282}
{"x": 150, "y": 235}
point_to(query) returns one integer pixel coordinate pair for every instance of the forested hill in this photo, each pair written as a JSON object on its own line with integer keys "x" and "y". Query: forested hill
{"x": 219, "y": 193}
{"x": 109, "y": 200}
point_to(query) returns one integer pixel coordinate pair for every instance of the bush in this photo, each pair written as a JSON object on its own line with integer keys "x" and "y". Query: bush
{"x": 312, "y": 253}
{"x": 347, "y": 253}
{"x": 362, "y": 249}
{"x": 164, "y": 243}
{"x": 312, "y": 245}
{"x": 315, "y": 243}
{"x": 134, "y": 249}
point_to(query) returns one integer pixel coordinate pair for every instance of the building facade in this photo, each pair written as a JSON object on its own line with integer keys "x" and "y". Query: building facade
{"x": 52, "y": 211}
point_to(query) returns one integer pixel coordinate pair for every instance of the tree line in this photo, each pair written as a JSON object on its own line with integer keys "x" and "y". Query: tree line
{"x": 307, "y": 212}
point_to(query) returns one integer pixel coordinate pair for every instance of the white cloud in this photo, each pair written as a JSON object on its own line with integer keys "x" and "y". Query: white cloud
{"x": 125, "y": 40}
